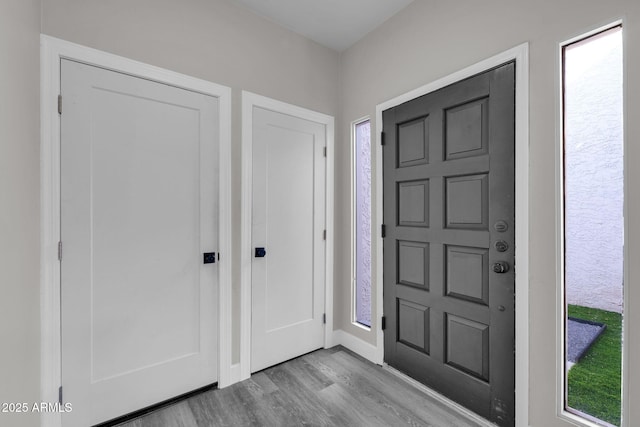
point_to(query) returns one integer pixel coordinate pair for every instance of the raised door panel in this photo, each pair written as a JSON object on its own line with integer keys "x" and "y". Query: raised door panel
{"x": 467, "y": 273}
{"x": 413, "y": 203}
{"x": 466, "y": 130}
{"x": 413, "y": 142}
{"x": 413, "y": 264}
{"x": 413, "y": 325}
{"x": 467, "y": 346}
{"x": 467, "y": 204}
{"x": 289, "y": 222}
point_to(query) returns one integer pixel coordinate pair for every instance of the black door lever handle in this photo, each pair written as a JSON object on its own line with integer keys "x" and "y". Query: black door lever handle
{"x": 260, "y": 253}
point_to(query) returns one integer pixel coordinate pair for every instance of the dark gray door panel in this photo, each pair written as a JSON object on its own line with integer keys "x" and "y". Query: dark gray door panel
{"x": 449, "y": 211}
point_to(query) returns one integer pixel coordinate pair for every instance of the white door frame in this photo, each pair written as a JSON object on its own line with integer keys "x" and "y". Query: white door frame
{"x": 521, "y": 56}
{"x": 250, "y": 100}
{"x": 52, "y": 50}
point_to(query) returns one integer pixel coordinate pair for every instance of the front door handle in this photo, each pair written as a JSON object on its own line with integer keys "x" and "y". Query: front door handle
{"x": 260, "y": 252}
{"x": 500, "y": 267}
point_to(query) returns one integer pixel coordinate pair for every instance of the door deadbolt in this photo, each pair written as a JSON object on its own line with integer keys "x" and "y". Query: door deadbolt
{"x": 260, "y": 252}
{"x": 500, "y": 267}
{"x": 501, "y": 226}
{"x": 501, "y": 246}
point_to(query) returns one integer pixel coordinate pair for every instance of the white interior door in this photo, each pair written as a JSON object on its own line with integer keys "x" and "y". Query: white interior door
{"x": 138, "y": 210}
{"x": 288, "y": 282}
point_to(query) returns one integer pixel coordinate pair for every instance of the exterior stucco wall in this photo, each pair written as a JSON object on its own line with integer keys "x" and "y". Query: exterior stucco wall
{"x": 362, "y": 155}
{"x": 594, "y": 189}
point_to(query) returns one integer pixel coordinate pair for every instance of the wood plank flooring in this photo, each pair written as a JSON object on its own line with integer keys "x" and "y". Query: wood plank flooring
{"x": 333, "y": 387}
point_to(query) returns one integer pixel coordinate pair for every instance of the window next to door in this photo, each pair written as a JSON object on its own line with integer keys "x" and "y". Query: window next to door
{"x": 593, "y": 234}
{"x": 361, "y": 222}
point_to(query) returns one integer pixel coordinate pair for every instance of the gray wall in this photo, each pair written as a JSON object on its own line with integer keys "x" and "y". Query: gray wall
{"x": 19, "y": 206}
{"x": 430, "y": 39}
{"x": 213, "y": 40}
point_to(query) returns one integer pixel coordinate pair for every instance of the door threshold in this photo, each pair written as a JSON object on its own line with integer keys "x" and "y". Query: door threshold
{"x": 156, "y": 407}
{"x": 439, "y": 397}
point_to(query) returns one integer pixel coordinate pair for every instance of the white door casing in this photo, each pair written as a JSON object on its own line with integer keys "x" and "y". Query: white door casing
{"x": 285, "y": 294}
{"x": 53, "y": 52}
{"x": 138, "y": 208}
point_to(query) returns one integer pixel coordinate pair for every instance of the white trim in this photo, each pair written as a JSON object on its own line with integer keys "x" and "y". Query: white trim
{"x": 246, "y": 225}
{"x": 521, "y": 56}
{"x": 560, "y": 298}
{"x": 626, "y": 297}
{"x": 355, "y": 344}
{"x": 52, "y": 50}
{"x": 249, "y": 101}
{"x": 440, "y": 398}
{"x": 561, "y": 314}
{"x": 234, "y": 373}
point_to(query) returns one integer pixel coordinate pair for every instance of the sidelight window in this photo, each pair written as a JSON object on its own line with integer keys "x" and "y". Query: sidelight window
{"x": 593, "y": 225}
{"x": 361, "y": 195}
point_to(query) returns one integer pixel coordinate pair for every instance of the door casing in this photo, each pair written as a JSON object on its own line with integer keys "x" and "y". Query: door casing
{"x": 519, "y": 54}
{"x": 250, "y": 100}
{"x": 52, "y": 51}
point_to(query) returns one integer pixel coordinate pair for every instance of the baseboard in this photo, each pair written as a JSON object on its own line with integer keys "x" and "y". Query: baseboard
{"x": 357, "y": 345}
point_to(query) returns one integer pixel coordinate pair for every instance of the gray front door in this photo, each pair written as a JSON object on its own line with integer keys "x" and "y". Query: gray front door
{"x": 449, "y": 246}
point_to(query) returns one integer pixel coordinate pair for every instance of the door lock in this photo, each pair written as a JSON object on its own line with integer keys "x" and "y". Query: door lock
{"x": 501, "y": 246}
{"x": 260, "y": 252}
{"x": 500, "y": 267}
{"x": 501, "y": 226}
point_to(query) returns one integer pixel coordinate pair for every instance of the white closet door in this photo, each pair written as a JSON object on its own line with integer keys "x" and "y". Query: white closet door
{"x": 139, "y": 169}
{"x": 288, "y": 282}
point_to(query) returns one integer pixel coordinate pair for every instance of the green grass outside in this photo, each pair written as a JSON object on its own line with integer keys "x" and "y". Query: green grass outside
{"x": 594, "y": 382}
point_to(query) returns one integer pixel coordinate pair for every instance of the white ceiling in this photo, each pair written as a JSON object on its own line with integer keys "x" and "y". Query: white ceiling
{"x": 337, "y": 24}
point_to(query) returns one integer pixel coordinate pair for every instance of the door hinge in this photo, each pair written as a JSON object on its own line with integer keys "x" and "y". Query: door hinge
{"x": 382, "y": 142}
{"x": 383, "y": 323}
{"x": 59, "y": 104}
{"x": 324, "y": 318}
{"x": 60, "y": 395}
{"x": 324, "y": 151}
{"x": 324, "y": 234}
{"x": 383, "y": 230}
{"x": 59, "y": 251}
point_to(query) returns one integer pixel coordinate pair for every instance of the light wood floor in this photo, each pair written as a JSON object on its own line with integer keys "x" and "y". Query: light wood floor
{"x": 331, "y": 387}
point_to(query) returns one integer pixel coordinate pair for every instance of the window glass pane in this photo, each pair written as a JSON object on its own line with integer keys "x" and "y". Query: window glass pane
{"x": 593, "y": 224}
{"x": 363, "y": 222}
